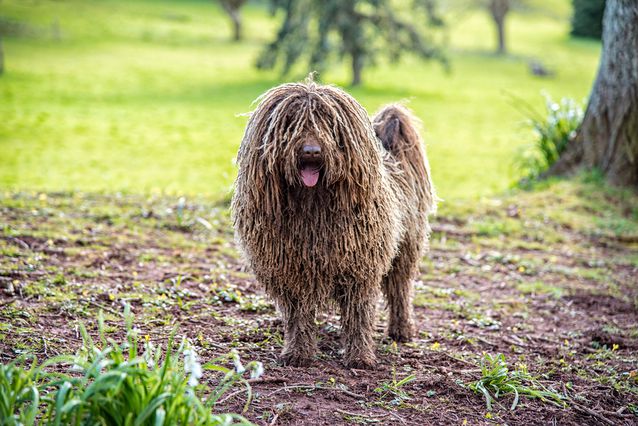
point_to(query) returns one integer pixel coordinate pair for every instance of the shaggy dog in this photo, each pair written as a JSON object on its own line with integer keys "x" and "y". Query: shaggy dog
{"x": 331, "y": 207}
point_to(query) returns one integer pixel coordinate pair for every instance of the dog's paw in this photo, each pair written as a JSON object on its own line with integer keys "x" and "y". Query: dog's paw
{"x": 401, "y": 334}
{"x": 368, "y": 362}
{"x": 294, "y": 359}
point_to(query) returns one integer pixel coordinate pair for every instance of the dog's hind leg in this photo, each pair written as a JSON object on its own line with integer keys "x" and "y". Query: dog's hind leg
{"x": 398, "y": 291}
{"x": 358, "y": 312}
{"x": 299, "y": 333}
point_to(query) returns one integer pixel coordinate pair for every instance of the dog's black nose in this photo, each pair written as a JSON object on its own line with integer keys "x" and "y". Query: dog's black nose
{"x": 311, "y": 150}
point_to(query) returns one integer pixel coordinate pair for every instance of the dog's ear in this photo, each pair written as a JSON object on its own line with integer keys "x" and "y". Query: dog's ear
{"x": 388, "y": 131}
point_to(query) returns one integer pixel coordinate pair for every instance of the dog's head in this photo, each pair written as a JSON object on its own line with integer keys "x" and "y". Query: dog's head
{"x": 306, "y": 136}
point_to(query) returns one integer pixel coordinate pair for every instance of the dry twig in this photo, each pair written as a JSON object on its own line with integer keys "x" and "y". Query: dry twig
{"x": 317, "y": 387}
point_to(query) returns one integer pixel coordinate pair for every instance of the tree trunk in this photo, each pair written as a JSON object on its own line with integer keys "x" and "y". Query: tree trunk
{"x": 357, "y": 67}
{"x": 236, "y": 18}
{"x": 1, "y": 58}
{"x": 608, "y": 136}
{"x": 232, "y": 8}
{"x": 498, "y": 10}
{"x": 500, "y": 28}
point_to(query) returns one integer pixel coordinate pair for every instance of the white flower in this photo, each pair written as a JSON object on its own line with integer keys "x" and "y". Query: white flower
{"x": 239, "y": 368}
{"x": 257, "y": 370}
{"x": 76, "y": 368}
{"x": 192, "y": 366}
{"x": 149, "y": 355}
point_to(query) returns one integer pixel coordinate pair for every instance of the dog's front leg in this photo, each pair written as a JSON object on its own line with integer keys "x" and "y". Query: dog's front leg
{"x": 358, "y": 313}
{"x": 300, "y": 332}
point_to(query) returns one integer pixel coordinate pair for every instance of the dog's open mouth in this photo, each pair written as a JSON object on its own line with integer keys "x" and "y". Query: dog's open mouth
{"x": 309, "y": 172}
{"x": 310, "y": 165}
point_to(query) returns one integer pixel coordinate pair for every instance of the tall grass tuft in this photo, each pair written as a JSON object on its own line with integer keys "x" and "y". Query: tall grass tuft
{"x": 498, "y": 380}
{"x": 553, "y": 132}
{"x": 111, "y": 383}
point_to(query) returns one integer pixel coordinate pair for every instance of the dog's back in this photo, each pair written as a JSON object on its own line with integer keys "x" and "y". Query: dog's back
{"x": 397, "y": 129}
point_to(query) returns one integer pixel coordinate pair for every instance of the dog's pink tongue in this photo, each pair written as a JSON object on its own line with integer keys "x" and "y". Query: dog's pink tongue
{"x": 310, "y": 176}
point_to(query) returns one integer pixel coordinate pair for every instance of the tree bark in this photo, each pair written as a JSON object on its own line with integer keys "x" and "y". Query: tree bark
{"x": 357, "y": 67}
{"x": 607, "y": 139}
{"x": 232, "y": 8}
{"x": 1, "y": 58}
{"x": 236, "y": 18}
{"x": 498, "y": 10}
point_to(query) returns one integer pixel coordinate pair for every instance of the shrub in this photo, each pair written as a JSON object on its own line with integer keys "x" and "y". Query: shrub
{"x": 587, "y": 20}
{"x": 111, "y": 383}
{"x": 553, "y": 132}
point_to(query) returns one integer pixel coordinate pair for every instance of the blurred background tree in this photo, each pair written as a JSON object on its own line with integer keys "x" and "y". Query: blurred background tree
{"x": 1, "y": 57}
{"x": 1, "y": 52}
{"x": 498, "y": 11}
{"x": 357, "y": 29}
{"x": 587, "y": 20}
{"x": 608, "y": 136}
{"x": 232, "y": 8}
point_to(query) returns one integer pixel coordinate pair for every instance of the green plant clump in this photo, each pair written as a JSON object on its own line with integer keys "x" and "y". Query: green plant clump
{"x": 497, "y": 380}
{"x": 19, "y": 396}
{"x": 394, "y": 388}
{"x": 553, "y": 133}
{"x": 110, "y": 384}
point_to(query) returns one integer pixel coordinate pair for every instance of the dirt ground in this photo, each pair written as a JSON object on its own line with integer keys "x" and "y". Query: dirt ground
{"x": 548, "y": 278}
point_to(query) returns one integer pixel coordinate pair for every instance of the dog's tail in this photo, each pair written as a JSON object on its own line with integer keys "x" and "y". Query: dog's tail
{"x": 398, "y": 130}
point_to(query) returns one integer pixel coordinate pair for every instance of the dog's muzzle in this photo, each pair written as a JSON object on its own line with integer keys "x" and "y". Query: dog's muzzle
{"x": 310, "y": 164}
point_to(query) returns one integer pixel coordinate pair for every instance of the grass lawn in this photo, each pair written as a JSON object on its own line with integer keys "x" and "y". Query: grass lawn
{"x": 143, "y": 96}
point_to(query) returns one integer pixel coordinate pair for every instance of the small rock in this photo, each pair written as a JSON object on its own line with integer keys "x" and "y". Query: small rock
{"x": 7, "y": 286}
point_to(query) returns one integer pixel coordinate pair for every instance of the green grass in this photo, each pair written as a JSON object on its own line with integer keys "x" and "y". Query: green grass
{"x": 143, "y": 96}
{"x": 539, "y": 287}
{"x": 394, "y": 388}
{"x": 110, "y": 383}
